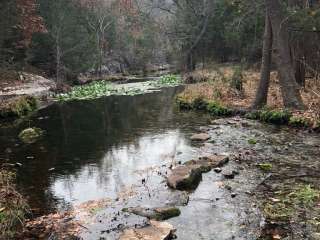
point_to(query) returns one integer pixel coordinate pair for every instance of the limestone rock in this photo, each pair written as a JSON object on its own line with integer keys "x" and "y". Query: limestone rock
{"x": 184, "y": 178}
{"x": 156, "y": 231}
{"x": 158, "y": 214}
{"x": 189, "y": 175}
{"x": 201, "y": 137}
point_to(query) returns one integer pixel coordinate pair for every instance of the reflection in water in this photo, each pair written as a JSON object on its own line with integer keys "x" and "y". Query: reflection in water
{"x": 96, "y": 146}
{"x": 117, "y": 169}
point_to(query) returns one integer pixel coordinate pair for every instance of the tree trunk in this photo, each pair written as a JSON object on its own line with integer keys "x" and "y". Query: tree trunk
{"x": 289, "y": 87}
{"x": 262, "y": 91}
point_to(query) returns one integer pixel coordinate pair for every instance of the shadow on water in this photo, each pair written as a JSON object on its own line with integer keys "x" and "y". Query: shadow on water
{"x": 93, "y": 146}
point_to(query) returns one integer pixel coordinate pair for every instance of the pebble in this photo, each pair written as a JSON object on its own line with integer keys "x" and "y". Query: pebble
{"x": 218, "y": 170}
{"x": 233, "y": 195}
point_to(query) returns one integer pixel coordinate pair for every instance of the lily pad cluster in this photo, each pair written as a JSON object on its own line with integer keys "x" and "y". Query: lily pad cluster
{"x": 105, "y": 88}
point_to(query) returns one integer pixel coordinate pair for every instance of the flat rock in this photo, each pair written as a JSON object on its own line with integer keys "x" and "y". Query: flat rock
{"x": 205, "y": 164}
{"x": 156, "y": 231}
{"x": 184, "y": 178}
{"x": 189, "y": 175}
{"x": 159, "y": 214}
{"x": 201, "y": 137}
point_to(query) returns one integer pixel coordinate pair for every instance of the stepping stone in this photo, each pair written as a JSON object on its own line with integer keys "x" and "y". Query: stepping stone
{"x": 156, "y": 231}
{"x": 200, "y": 137}
{"x": 189, "y": 175}
{"x": 158, "y": 214}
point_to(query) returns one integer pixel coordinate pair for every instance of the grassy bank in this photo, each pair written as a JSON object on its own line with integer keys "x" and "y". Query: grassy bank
{"x": 224, "y": 90}
{"x": 13, "y": 207}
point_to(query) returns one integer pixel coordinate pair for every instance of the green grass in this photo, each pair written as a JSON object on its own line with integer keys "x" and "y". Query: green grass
{"x": 301, "y": 197}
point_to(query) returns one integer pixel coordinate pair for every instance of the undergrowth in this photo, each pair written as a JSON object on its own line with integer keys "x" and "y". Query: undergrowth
{"x": 13, "y": 207}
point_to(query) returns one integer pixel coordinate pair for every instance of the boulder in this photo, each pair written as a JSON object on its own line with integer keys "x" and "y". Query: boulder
{"x": 158, "y": 214}
{"x": 200, "y": 137}
{"x": 155, "y": 231}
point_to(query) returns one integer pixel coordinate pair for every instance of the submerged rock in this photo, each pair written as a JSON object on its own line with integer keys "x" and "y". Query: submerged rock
{"x": 30, "y": 135}
{"x": 156, "y": 231}
{"x": 201, "y": 137}
{"x": 158, "y": 214}
{"x": 188, "y": 176}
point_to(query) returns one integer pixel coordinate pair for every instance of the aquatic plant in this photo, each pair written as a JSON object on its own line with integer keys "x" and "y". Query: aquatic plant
{"x": 106, "y": 88}
{"x": 170, "y": 80}
{"x": 30, "y": 135}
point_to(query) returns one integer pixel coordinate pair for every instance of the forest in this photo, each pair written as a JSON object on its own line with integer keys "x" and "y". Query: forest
{"x": 160, "y": 119}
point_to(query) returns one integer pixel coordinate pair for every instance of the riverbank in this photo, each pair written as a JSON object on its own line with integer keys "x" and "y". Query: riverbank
{"x": 13, "y": 206}
{"x": 233, "y": 88}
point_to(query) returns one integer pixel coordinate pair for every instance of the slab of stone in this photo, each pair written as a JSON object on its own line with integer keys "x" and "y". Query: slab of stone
{"x": 208, "y": 162}
{"x": 184, "y": 178}
{"x": 156, "y": 231}
{"x": 200, "y": 137}
{"x": 159, "y": 214}
{"x": 189, "y": 175}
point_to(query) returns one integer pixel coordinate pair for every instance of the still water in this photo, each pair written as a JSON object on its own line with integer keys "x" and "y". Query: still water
{"x": 91, "y": 148}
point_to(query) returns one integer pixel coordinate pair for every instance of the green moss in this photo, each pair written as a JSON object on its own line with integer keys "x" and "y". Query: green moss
{"x": 265, "y": 166}
{"x": 216, "y": 109}
{"x": 30, "y": 135}
{"x": 299, "y": 122}
{"x": 18, "y": 107}
{"x": 275, "y": 116}
{"x": 252, "y": 141}
{"x": 167, "y": 213}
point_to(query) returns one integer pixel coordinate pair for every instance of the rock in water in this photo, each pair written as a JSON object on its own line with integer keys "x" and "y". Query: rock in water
{"x": 189, "y": 175}
{"x": 201, "y": 137}
{"x": 158, "y": 214}
{"x": 30, "y": 135}
{"x": 184, "y": 178}
{"x": 156, "y": 231}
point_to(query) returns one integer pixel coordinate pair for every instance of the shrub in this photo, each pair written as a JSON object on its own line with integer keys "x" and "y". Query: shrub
{"x": 183, "y": 103}
{"x": 13, "y": 207}
{"x": 199, "y": 104}
{"x": 299, "y": 122}
{"x": 275, "y": 116}
{"x": 18, "y": 107}
{"x": 236, "y": 81}
{"x": 215, "y": 109}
